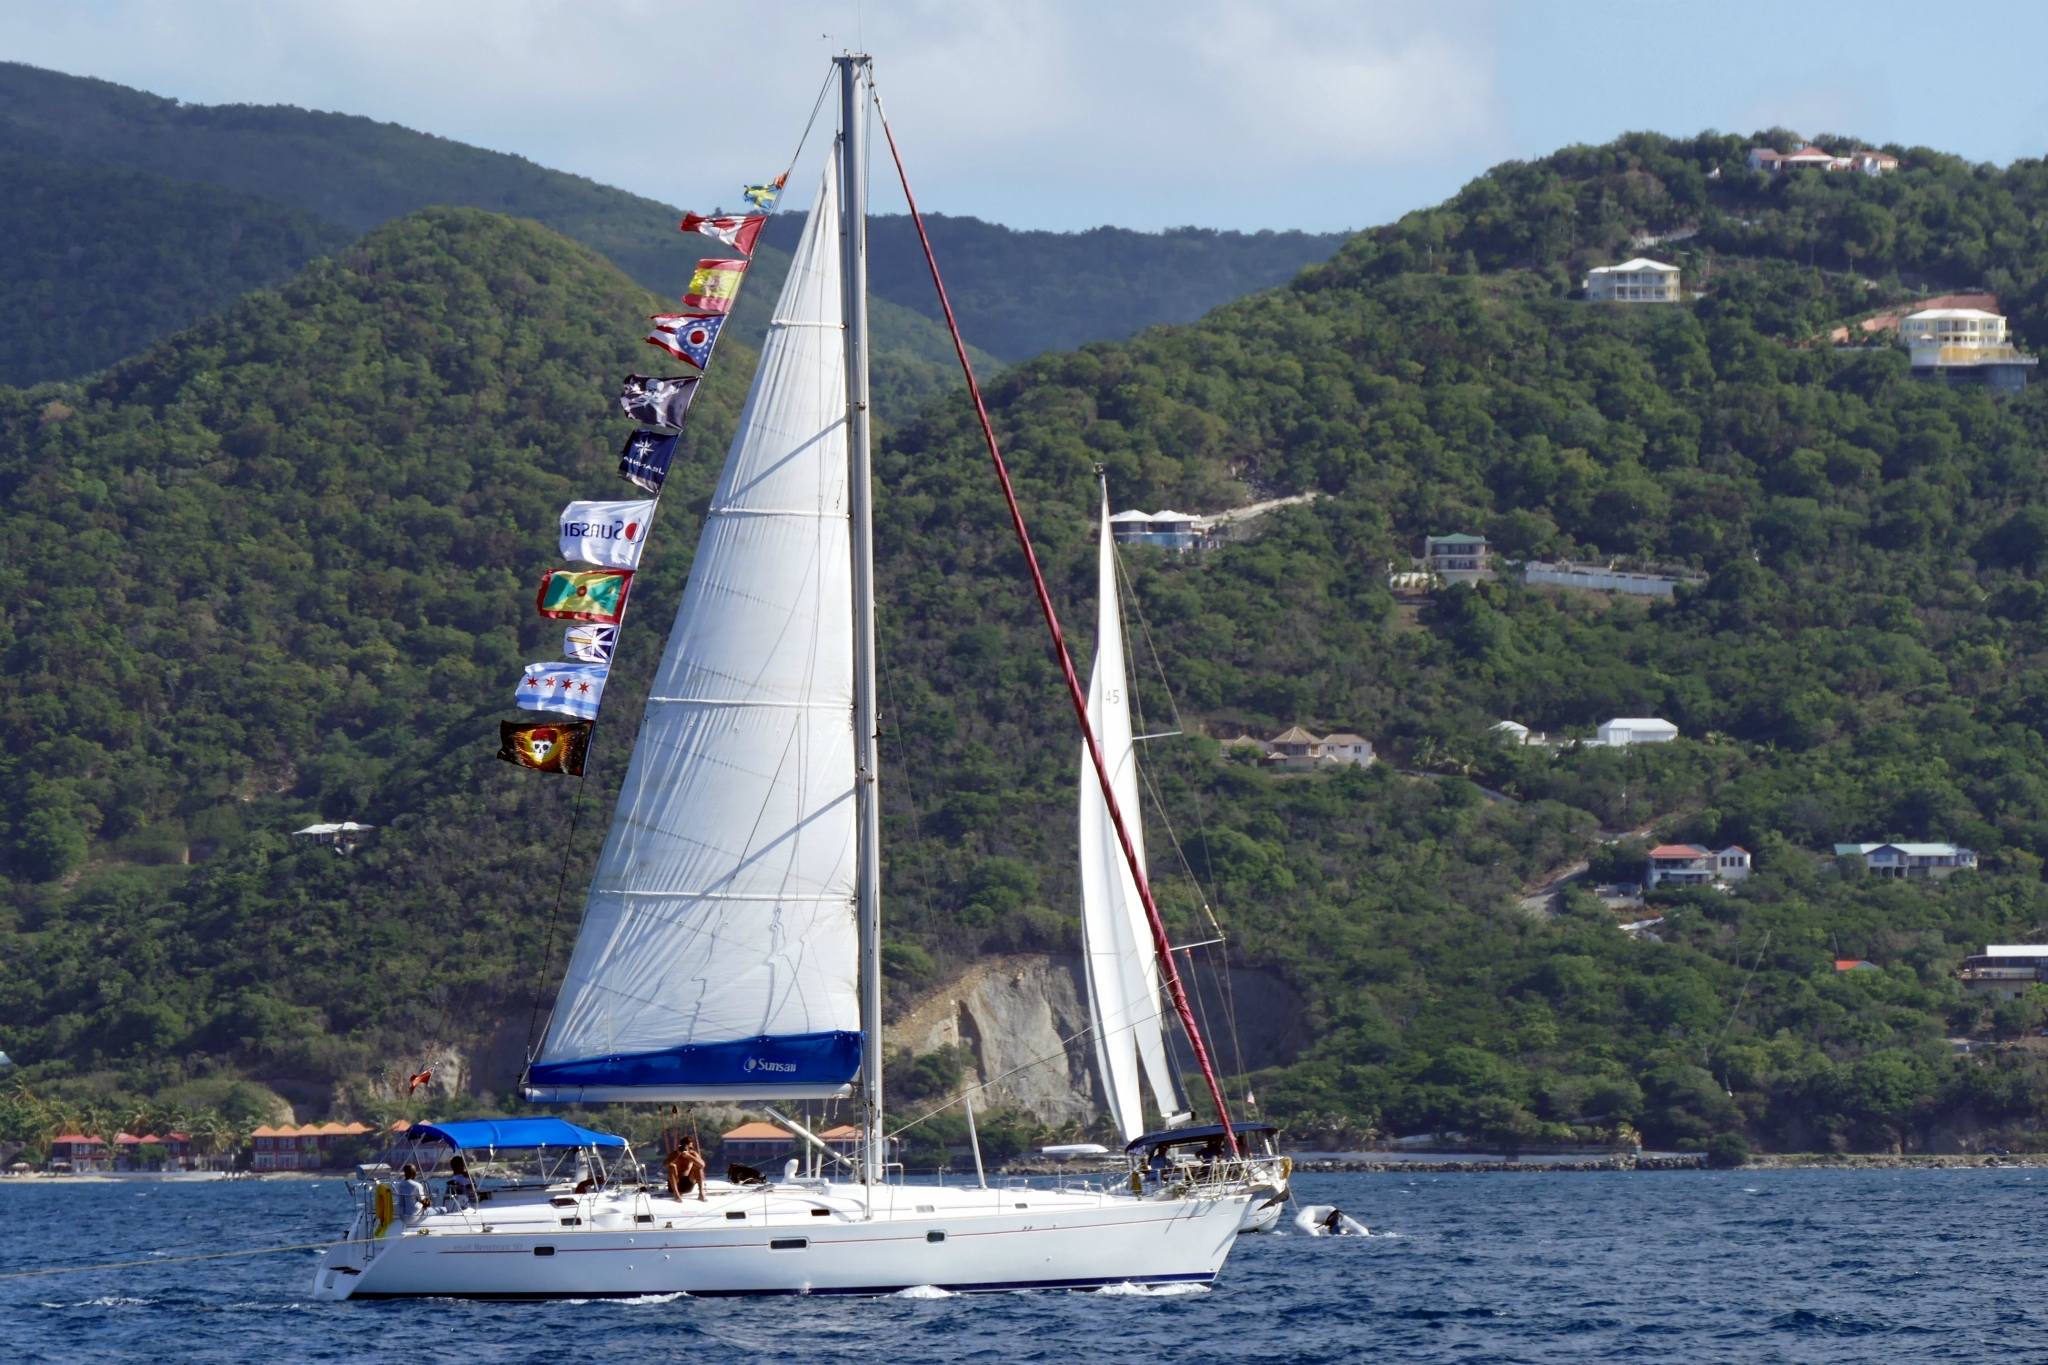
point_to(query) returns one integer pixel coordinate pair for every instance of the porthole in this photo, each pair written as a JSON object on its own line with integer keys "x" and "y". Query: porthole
{"x": 789, "y": 1243}
{"x": 935, "y": 1235}
{"x": 543, "y": 1251}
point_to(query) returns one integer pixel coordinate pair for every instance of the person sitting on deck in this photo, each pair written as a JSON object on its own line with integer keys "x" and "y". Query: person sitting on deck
{"x": 685, "y": 1167}
{"x": 412, "y": 1195}
{"x": 459, "y": 1186}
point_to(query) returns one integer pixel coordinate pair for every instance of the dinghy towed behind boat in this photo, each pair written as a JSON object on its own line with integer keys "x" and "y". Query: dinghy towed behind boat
{"x": 730, "y": 944}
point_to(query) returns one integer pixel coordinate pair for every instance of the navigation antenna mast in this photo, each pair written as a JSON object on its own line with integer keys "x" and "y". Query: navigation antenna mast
{"x": 853, "y": 245}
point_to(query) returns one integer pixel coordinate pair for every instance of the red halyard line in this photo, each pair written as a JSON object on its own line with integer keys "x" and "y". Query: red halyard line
{"x": 1162, "y": 945}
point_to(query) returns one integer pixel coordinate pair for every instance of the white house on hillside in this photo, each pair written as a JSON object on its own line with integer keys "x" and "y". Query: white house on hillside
{"x": 1623, "y": 731}
{"x": 1641, "y": 280}
{"x": 1914, "y": 861}
{"x": 1694, "y": 865}
{"x": 1964, "y": 344}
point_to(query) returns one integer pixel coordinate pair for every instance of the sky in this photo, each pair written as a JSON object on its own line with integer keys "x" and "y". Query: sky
{"x": 1069, "y": 114}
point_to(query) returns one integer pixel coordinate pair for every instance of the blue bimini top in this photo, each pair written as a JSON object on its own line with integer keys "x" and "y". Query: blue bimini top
{"x": 543, "y": 1131}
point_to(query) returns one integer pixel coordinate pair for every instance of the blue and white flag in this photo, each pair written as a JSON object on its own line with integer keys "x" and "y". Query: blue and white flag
{"x": 607, "y": 533}
{"x": 591, "y": 644}
{"x": 572, "y": 689}
{"x": 644, "y": 461}
{"x": 687, "y": 336}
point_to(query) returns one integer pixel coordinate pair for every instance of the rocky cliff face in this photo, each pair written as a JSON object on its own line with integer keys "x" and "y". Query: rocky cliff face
{"x": 1024, "y": 1017}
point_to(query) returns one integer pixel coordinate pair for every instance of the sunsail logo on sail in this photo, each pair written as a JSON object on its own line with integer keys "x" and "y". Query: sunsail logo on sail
{"x": 757, "y": 1064}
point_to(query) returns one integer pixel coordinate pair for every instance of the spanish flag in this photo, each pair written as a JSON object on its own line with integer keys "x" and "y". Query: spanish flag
{"x": 594, "y": 595}
{"x": 549, "y": 746}
{"x": 715, "y": 285}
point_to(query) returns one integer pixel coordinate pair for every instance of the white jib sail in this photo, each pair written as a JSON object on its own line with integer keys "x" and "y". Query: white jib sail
{"x": 1123, "y": 969}
{"x": 723, "y": 906}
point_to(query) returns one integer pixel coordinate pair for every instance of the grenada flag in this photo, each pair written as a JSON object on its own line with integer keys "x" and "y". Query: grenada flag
{"x": 595, "y": 595}
{"x": 548, "y": 746}
{"x": 715, "y": 285}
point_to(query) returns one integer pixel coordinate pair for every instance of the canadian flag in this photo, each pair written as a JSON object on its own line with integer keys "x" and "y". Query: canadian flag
{"x": 736, "y": 232}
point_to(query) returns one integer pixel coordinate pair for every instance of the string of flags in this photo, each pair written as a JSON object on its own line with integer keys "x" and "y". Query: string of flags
{"x": 611, "y": 535}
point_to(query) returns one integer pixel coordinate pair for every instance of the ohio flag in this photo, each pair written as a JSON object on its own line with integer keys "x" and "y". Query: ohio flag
{"x": 572, "y": 689}
{"x": 686, "y": 336}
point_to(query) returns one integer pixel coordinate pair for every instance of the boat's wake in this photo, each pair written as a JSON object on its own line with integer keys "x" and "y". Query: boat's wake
{"x": 1151, "y": 1291}
{"x": 923, "y": 1291}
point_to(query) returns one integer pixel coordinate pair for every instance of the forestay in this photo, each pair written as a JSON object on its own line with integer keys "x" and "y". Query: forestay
{"x": 718, "y": 956}
{"x": 1123, "y": 970}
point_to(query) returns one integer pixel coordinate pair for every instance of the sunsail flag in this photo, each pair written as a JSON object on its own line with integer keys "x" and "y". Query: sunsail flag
{"x": 715, "y": 285}
{"x": 686, "y": 336}
{"x": 644, "y": 461}
{"x": 548, "y": 746}
{"x": 591, "y": 644}
{"x": 658, "y": 402}
{"x": 737, "y": 233}
{"x": 594, "y": 595}
{"x": 608, "y": 533}
{"x": 573, "y": 689}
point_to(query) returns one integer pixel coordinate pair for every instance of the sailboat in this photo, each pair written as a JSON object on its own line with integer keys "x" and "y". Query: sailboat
{"x": 1125, "y": 993}
{"x": 730, "y": 942}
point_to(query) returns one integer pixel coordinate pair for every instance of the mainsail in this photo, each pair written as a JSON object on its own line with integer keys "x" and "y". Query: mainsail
{"x": 1123, "y": 970}
{"x": 718, "y": 956}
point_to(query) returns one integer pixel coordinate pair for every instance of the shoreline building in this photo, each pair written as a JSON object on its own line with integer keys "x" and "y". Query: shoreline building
{"x": 1641, "y": 280}
{"x": 1964, "y": 346}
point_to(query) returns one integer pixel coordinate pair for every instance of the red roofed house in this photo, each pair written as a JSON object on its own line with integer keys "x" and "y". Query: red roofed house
{"x": 291, "y": 1147}
{"x": 1692, "y": 865}
{"x": 754, "y": 1143}
{"x": 1856, "y": 964}
{"x": 80, "y": 1152}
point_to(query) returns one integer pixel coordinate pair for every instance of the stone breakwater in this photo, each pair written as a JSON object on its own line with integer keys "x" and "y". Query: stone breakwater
{"x": 1612, "y": 1163}
{"x": 1801, "y": 1161}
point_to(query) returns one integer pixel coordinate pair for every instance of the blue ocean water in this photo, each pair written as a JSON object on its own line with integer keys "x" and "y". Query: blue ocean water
{"x": 1806, "y": 1266}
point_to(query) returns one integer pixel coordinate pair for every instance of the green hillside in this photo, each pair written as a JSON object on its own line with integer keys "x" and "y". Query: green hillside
{"x": 275, "y": 568}
{"x": 96, "y": 264}
{"x": 1019, "y": 293}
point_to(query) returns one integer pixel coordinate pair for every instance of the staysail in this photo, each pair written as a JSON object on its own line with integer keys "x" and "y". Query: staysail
{"x": 718, "y": 956}
{"x": 1123, "y": 971}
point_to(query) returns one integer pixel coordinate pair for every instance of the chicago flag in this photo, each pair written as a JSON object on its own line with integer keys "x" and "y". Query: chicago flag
{"x": 573, "y": 689}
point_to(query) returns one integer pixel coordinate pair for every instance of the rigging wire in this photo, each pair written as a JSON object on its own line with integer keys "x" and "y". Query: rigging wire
{"x": 547, "y": 955}
{"x": 1161, "y": 944}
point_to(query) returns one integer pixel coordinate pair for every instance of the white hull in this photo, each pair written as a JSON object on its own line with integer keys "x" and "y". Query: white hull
{"x": 992, "y": 1240}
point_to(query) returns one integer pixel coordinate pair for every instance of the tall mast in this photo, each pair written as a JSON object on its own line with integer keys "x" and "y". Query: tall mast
{"x": 853, "y": 241}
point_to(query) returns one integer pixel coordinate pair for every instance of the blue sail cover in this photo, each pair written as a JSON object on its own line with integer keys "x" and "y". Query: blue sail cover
{"x": 763, "y": 1066}
{"x": 718, "y": 956}
{"x": 540, "y": 1131}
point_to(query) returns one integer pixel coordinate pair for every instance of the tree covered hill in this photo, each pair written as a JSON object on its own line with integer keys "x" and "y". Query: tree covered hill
{"x": 95, "y": 264}
{"x": 1020, "y": 292}
{"x": 291, "y": 574}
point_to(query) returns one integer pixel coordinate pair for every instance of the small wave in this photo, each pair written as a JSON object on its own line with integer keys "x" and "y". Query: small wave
{"x": 1152, "y": 1291}
{"x": 649, "y": 1298}
{"x": 108, "y": 1301}
{"x": 922, "y": 1291}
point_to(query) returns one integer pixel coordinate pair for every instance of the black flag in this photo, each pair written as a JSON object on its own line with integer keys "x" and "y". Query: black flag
{"x": 657, "y": 402}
